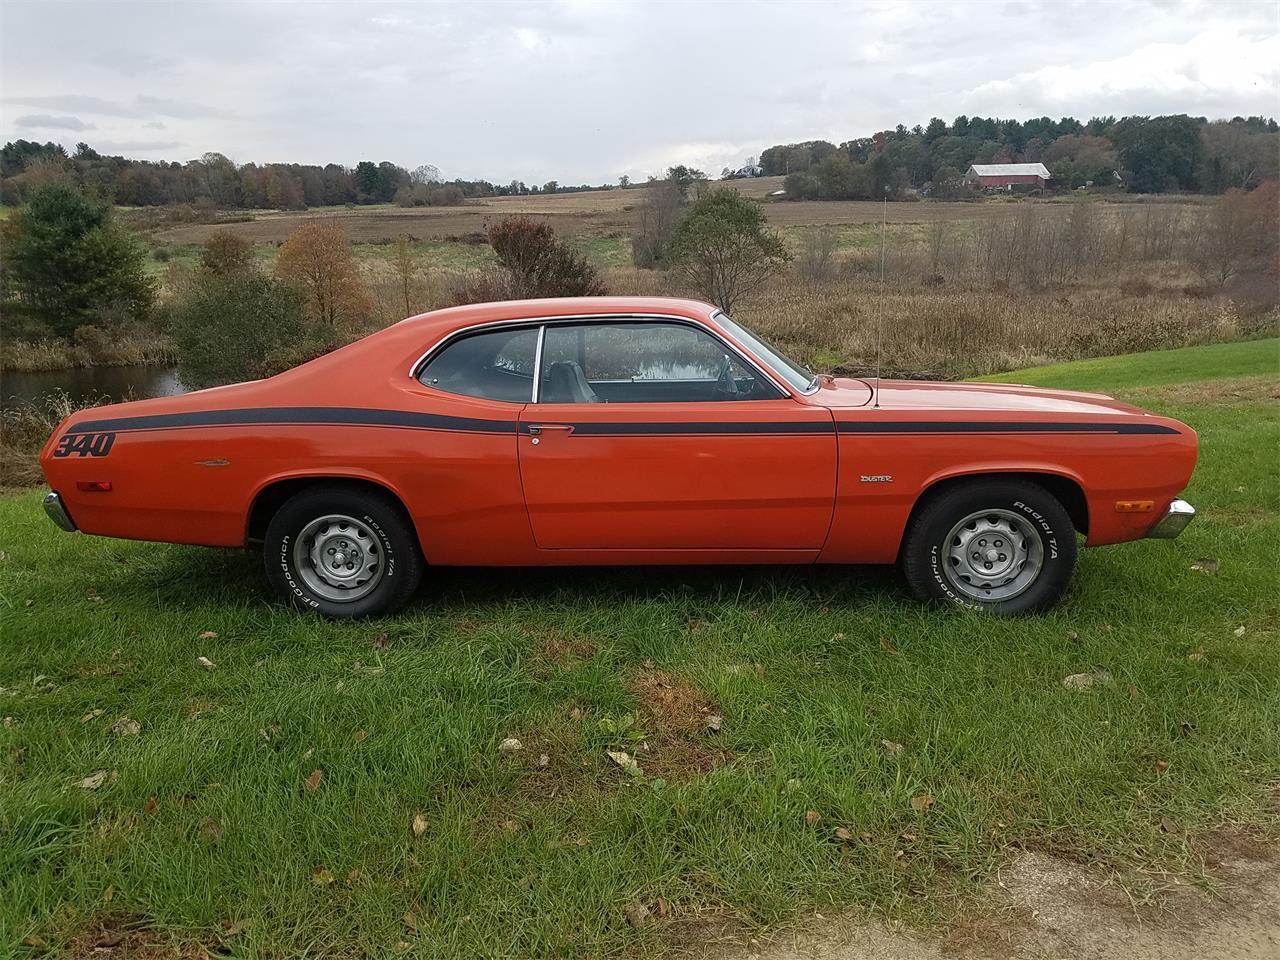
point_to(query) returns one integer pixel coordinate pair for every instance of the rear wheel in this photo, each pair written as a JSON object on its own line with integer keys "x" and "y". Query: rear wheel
{"x": 343, "y": 552}
{"x": 1008, "y": 547}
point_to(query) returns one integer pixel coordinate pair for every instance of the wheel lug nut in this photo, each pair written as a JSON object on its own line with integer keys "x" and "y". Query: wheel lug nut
{"x": 1003, "y": 557}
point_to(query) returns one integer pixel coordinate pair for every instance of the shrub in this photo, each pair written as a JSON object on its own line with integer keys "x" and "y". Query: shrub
{"x": 226, "y": 252}
{"x": 536, "y": 265}
{"x": 228, "y": 326}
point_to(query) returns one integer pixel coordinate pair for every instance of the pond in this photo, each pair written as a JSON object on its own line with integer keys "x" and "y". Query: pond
{"x": 110, "y": 384}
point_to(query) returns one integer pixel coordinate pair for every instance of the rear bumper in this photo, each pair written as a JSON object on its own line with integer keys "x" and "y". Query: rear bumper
{"x": 1174, "y": 521}
{"x": 58, "y": 513}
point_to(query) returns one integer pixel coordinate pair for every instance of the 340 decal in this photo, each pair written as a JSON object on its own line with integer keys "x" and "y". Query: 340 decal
{"x": 84, "y": 444}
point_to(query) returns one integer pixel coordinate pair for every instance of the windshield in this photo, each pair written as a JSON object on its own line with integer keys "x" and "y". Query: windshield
{"x": 782, "y": 365}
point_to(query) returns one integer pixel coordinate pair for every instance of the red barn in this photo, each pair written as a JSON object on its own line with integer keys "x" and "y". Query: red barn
{"x": 1004, "y": 176}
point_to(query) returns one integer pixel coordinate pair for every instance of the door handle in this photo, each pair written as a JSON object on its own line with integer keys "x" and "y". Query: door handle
{"x": 537, "y": 428}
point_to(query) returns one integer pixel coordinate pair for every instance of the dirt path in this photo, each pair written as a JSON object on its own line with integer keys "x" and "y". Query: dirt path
{"x": 1042, "y": 908}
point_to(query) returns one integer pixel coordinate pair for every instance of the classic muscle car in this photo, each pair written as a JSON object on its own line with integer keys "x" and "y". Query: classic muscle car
{"x": 618, "y": 431}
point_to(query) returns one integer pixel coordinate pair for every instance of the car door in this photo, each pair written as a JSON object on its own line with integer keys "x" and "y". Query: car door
{"x": 656, "y": 435}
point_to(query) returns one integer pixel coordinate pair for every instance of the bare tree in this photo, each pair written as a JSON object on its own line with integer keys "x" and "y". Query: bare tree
{"x": 817, "y": 261}
{"x": 405, "y": 264}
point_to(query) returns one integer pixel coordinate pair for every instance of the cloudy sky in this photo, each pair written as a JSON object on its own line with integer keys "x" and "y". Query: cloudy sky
{"x": 586, "y": 90}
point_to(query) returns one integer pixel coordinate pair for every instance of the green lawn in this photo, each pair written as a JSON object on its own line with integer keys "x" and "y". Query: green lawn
{"x": 205, "y": 828}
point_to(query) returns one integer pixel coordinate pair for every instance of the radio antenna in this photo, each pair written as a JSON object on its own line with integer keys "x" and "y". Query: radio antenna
{"x": 884, "y": 219}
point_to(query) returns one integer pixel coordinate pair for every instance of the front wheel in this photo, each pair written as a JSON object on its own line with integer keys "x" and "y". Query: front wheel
{"x": 343, "y": 552}
{"x": 1008, "y": 547}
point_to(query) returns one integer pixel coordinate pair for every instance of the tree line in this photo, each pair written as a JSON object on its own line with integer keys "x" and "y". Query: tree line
{"x": 1141, "y": 154}
{"x": 215, "y": 181}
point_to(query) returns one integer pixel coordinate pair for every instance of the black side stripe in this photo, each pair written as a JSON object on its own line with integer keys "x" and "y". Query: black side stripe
{"x": 684, "y": 428}
{"x": 279, "y": 416}
{"x": 1000, "y": 426}
{"x": 367, "y": 417}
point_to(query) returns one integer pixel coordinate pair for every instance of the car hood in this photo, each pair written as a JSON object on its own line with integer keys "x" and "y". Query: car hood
{"x": 996, "y": 397}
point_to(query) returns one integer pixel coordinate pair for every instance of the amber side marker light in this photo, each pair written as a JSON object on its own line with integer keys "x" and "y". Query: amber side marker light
{"x": 1135, "y": 506}
{"x": 93, "y": 486}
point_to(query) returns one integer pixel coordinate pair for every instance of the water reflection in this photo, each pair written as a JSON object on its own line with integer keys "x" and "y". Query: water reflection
{"x": 89, "y": 383}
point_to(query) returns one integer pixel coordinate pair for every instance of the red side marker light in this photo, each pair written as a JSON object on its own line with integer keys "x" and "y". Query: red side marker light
{"x": 93, "y": 486}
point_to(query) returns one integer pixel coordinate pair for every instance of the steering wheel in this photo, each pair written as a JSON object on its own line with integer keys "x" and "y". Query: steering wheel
{"x": 725, "y": 382}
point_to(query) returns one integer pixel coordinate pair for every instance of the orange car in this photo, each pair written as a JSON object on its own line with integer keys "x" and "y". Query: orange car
{"x": 618, "y": 431}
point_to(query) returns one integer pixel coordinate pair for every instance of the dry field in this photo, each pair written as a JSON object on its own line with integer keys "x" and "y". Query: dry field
{"x": 599, "y": 214}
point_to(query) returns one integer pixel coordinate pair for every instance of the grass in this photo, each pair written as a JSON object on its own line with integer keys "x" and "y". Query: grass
{"x": 1157, "y": 367}
{"x": 204, "y": 830}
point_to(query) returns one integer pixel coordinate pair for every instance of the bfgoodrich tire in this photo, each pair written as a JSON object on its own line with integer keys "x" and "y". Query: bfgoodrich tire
{"x": 343, "y": 552}
{"x": 1008, "y": 547}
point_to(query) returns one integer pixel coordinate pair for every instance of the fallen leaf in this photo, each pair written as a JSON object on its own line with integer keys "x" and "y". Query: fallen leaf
{"x": 360, "y": 736}
{"x": 109, "y": 894}
{"x": 660, "y": 908}
{"x": 575, "y": 713}
{"x": 1162, "y": 766}
{"x": 543, "y": 760}
{"x": 210, "y": 829}
{"x": 208, "y": 635}
{"x": 922, "y": 802}
{"x": 842, "y": 833}
{"x": 313, "y": 781}
{"x": 1168, "y": 825}
{"x": 887, "y": 645}
{"x": 124, "y": 727}
{"x": 33, "y": 941}
{"x": 410, "y": 921}
{"x": 322, "y": 876}
{"x": 811, "y": 817}
{"x": 891, "y": 746}
{"x": 1196, "y": 655}
{"x": 1205, "y": 565}
{"x": 233, "y": 928}
{"x": 381, "y": 641}
{"x": 94, "y": 780}
{"x": 352, "y": 877}
{"x": 714, "y": 722}
{"x": 150, "y": 806}
{"x": 1239, "y": 631}
{"x": 636, "y": 914}
{"x": 625, "y": 761}
{"x": 510, "y": 745}
{"x": 92, "y": 715}
{"x": 1082, "y": 681}
{"x": 511, "y": 826}
{"x": 1072, "y": 635}
{"x": 205, "y": 662}
{"x": 269, "y": 731}
{"x": 837, "y": 638}
{"x": 10, "y": 723}
{"x": 419, "y": 825}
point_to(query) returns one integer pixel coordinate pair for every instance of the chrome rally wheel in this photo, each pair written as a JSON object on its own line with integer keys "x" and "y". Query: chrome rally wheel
{"x": 993, "y": 555}
{"x": 338, "y": 558}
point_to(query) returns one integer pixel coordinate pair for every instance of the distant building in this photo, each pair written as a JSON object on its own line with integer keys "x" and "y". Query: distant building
{"x": 746, "y": 173}
{"x": 1005, "y": 176}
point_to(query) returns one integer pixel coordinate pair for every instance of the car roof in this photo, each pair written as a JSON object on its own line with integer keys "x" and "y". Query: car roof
{"x": 457, "y": 318}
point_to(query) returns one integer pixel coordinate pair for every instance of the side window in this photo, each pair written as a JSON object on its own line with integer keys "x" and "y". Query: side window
{"x": 643, "y": 363}
{"x": 497, "y": 365}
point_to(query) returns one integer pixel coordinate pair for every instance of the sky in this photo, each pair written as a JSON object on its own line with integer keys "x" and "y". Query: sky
{"x": 588, "y": 90}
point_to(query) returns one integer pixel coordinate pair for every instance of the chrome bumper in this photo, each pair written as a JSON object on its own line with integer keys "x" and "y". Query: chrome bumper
{"x": 58, "y": 513}
{"x": 1174, "y": 521}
